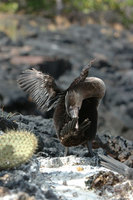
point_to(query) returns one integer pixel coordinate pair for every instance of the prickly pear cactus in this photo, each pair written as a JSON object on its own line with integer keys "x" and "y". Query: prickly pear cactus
{"x": 16, "y": 147}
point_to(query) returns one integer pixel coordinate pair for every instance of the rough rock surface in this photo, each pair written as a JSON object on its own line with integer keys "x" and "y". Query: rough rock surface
{"x": 63, "y": 53}
{"x": 49, "y": 175}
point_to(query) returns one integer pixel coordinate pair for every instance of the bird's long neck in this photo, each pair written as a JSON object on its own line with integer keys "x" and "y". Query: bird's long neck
{"x": 91, "y": 89}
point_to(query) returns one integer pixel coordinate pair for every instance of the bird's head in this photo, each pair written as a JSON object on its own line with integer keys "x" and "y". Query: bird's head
{"x": 73, "y": 102}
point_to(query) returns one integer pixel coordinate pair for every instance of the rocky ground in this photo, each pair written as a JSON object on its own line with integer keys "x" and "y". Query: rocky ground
{"x": 63, "y": 53}
{"x": 50, "y": 175}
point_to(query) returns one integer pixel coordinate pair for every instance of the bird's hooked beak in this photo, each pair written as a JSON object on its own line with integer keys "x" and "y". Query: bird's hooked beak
{"x": 73, "y": 101}
{"x": 75, "y": 114}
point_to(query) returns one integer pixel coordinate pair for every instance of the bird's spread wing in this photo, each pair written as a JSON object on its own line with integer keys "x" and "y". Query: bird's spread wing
{"x": 81, "y": 78}
{"x": 84, "y": 73}
{"x": 41, "y": 87}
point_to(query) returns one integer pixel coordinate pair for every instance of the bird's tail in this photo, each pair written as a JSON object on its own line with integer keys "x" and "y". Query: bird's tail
{"x": 115, "y": 165}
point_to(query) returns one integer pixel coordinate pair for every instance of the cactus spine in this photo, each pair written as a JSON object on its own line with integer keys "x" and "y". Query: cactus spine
{"x": 16, "y": 147}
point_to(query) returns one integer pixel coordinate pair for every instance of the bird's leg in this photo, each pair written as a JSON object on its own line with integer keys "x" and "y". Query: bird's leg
{"x": 89, "y": 147}
{"x": 66, "y": 153}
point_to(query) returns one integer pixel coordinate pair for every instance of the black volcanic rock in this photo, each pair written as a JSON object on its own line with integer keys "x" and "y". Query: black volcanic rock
{"x": 7, "y": 124}
{"x": 28, "y": 178}
{"x": 63, "y": 53}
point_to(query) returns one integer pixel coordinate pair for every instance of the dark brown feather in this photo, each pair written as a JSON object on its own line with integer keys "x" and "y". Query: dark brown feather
{"x": 41, "y": 87}
{"x": 43, "y": 90}
{"x": 75, "y": 137}
{"x": 84, "y": 73}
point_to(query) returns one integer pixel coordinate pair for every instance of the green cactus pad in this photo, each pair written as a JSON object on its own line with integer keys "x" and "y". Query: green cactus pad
{"x": 16, "y": 147}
